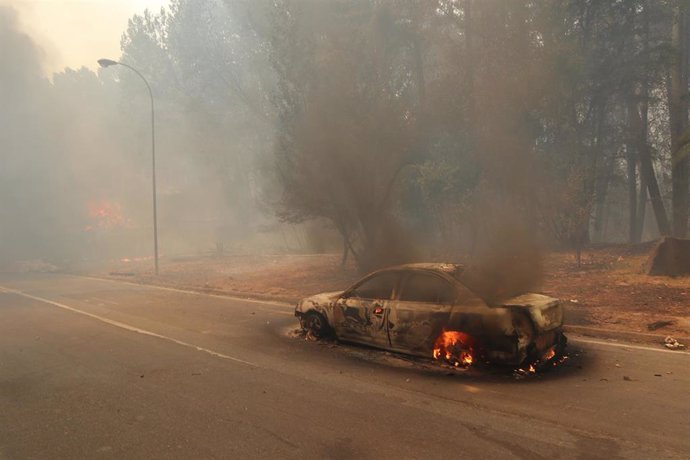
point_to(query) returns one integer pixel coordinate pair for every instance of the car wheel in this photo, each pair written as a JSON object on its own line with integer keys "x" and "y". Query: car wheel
{"x": 561, "y": 343}
{"x": 315, "y": 324}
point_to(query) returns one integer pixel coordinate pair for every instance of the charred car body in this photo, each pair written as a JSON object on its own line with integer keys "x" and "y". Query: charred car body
{"x": 426, "y": 310}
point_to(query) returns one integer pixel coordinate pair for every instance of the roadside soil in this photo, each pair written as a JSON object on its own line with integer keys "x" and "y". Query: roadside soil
{"x": 607, "y": 290}
{"x": 610, "y": 290}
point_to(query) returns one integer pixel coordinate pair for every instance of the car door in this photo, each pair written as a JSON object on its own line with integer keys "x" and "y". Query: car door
{"x": 361, "y": 314}
{"x": 420, "y": 311}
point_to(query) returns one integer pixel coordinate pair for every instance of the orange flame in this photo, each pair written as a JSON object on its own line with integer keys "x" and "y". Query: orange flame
{"x": 551, "y": 356}
{"x": 105, "y": 214}
{"x": 456, "y": 348}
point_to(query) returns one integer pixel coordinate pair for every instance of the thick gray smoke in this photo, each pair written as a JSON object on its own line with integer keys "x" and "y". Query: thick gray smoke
{"x": 59, "y": 165}
{"x": 26, "y": 221}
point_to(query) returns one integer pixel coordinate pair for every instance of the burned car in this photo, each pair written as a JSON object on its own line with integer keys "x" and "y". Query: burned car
{"x": 427, "y": 310}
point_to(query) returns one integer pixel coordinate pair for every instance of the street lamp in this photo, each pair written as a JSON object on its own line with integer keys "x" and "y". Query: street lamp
{"x": 108, "y": 63}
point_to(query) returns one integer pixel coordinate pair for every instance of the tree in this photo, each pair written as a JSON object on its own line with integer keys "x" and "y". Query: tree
{"x": 678, "y": 117}
{"x": 212, "y": 82}
{"x": 349, "y": 118}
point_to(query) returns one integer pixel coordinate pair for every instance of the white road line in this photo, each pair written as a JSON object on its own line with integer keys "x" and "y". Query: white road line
{"x": 625, "y": 345}
{"x": 127, "y": 326}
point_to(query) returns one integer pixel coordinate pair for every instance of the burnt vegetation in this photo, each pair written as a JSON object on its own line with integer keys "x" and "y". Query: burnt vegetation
{"x": 456, "y": 130}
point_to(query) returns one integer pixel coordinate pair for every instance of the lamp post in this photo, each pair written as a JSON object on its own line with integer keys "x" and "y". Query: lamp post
{"x": 108, "y": 63}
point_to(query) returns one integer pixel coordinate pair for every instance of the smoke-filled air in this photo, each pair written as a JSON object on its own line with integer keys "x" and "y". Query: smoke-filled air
{"x": 477, "y": 132}
{"x": 344, "y": 229}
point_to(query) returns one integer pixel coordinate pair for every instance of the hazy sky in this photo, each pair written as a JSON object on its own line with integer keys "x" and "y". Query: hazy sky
{"x": 75, "y": 33}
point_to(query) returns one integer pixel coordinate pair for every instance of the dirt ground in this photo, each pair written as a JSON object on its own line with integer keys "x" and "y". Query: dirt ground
{"x": 284, "y": 277}
{"x": 610, "y": 290}
{"x": 607, "y": 290}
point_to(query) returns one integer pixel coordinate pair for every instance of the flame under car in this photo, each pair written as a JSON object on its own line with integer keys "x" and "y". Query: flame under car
{"x": 426, "y": 310}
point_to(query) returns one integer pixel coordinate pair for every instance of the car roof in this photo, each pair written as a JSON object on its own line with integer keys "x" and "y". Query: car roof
{"x": 447, "y": 268}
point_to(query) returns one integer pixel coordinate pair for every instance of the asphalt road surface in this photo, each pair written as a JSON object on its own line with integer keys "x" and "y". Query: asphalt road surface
{"x": 104, "y": 369}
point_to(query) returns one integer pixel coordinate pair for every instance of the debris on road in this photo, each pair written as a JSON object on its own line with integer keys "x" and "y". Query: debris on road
{"x": 659, "y": 324}
{"x": 673, "y": 344}
{"x": 521, "y": 373}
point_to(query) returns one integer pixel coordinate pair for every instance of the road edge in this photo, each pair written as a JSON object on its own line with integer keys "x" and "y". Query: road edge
{"x": 621, "y": 336}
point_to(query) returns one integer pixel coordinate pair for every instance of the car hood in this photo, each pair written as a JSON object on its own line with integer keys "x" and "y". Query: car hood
{"x": 530, "y": 300}
{"x": 546, "y": 312}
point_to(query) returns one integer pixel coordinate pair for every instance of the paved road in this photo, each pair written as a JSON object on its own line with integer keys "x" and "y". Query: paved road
{"x": 102, "y": 369}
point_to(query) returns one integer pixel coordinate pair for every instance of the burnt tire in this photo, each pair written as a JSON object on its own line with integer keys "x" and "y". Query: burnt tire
{"x": 561, "y": 344}
{"x": 524, "y": 335}
{"x": 315, "y": 324}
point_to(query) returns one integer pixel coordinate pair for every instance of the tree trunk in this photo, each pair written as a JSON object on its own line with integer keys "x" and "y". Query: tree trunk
{"x": 654, "y": 193}
{"x": 677, "y": 87}
{"x": 599, "y": 215}
{"x": 632, "y": 149}
{"x": 346, "y": 251}
{"x": 642, "y": 134}
{"x": 647, "y": 171}
{"x": 632, "y": 191}
{"x": 602, "y": 187}
{"x": 641, "y": 210}
{"x": 469, "y": 71}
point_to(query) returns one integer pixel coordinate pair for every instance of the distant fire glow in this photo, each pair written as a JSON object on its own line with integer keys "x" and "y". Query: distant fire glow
{"x": 105, "y": 215}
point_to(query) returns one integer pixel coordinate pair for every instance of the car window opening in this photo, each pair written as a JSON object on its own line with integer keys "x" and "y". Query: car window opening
{"x": 427, "y": 288}
{"x": 378, "y": 287}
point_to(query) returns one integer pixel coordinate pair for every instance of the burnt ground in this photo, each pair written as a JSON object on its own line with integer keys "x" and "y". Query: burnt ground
{"x": 608, "y": 290}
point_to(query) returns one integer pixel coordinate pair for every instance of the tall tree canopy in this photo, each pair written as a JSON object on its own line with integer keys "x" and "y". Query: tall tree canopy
{"x": 413, "y": 128}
